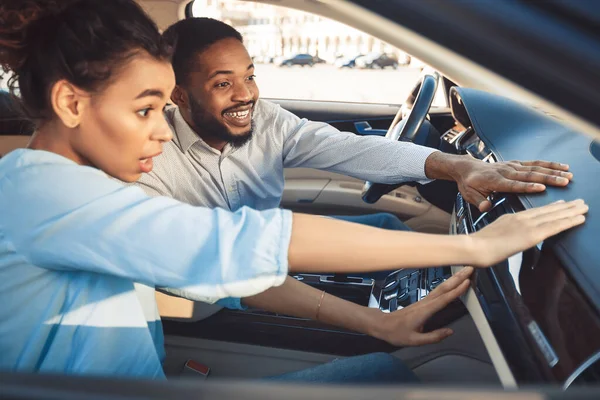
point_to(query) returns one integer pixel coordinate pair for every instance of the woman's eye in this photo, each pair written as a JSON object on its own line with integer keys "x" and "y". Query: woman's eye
{"x": 144, "y": 112}
{"x": 252, "y": 77}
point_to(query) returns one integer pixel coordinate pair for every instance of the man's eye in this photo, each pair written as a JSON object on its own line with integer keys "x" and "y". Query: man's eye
{"x": 222, "y": 84}
{"x": 144, "y": 113}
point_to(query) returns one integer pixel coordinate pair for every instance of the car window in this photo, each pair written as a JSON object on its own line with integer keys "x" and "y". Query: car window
{"x": 317, "y": 58}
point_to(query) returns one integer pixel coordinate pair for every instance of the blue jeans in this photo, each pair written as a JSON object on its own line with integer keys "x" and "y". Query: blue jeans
{"x": 379, "y": 220}
{"x": 376, "y": 368}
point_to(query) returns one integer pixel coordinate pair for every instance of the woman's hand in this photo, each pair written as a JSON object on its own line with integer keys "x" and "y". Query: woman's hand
{"x": 405, "y": 327}
{"x": 513, "y": 233}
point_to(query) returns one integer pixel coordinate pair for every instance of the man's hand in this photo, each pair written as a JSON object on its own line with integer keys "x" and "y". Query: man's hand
{"x": 477, "y": 180}
{"x": 405, "y": 327}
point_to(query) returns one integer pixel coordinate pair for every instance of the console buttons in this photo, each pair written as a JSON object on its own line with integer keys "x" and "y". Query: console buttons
{"x": 403, "y": 282}
{"x": 459, "y": 205}
{"x": 390, "y": 295}
{"x": 393, "y": 304}
{"x": 391, "y": 285}
{"x": 405, "y": 298}
{"x": 435, "y": 283}
{"x": 403, "y": 295}
{"x": 414, "y": 281}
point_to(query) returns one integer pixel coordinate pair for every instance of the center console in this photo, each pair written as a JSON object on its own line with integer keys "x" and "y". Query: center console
{"x": 389, "y": 293}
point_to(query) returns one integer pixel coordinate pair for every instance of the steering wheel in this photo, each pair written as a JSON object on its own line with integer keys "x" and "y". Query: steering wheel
{"x": 405, "y": 129}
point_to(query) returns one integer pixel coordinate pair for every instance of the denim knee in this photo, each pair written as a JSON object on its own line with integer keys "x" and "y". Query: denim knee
{"x": 390, "y": 221}
{"x": 375, "y": 368}
{"x": 389, "y": 368}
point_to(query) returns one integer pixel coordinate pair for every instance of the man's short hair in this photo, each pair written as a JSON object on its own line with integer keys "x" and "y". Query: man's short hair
{"x": 189, "y": 37}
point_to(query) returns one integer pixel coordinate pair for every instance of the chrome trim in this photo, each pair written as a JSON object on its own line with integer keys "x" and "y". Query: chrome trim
{"x": 363, "y": 282}
{"x": 390, "y": 284}
{"x": 478, "y": 220}
{"x": 458, "y": 138}
{"x": 490, "y": 158}
{"x": 487, "y": 212}
{"x": 584, "y": 365}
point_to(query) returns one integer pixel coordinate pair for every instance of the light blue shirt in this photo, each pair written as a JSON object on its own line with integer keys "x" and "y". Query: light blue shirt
{"x": 252, "y": 175}
{"x": 80, "y": 255}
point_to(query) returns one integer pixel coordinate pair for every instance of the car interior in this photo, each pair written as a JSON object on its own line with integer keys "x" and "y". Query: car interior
{"x": 532, "y": 319}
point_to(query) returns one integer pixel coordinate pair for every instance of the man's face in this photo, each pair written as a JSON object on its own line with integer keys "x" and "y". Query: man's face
{"x": 222, "y": 92}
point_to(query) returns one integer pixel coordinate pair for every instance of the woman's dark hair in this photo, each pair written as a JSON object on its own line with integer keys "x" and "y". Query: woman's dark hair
{"x": 81, "y": 41}
{"x": 189, "y": 37}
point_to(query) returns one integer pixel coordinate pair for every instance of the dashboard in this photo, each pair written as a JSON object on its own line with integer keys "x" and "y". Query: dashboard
{"x": 540, "y": 306}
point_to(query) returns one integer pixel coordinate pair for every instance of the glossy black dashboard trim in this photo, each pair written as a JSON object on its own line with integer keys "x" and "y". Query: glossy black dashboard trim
{"x": 544, "y": 324}
{"x": 494, "y": 293}
{"x": 513, "y": 131}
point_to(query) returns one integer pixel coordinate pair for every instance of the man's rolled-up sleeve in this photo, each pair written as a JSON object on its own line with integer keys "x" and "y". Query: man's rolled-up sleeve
{"x": 311, "y": 144}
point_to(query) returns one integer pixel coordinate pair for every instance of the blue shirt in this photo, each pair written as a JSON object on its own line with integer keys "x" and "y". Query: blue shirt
{"x": 77, "y": 248}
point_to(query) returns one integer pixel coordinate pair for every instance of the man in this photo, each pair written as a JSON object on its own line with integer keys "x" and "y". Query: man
{"x": 230, "y": 150}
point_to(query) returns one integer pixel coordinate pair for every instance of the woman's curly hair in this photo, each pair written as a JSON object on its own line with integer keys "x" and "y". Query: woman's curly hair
{"x": 81, "y": 41}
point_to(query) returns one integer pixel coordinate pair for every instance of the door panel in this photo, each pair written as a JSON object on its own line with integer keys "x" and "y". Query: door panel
{"x": 343, "y": 194}
{"x": 325, "y": 193}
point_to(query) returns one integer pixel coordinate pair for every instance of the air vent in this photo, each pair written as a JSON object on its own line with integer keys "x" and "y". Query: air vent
{"x": 451, "y": 135}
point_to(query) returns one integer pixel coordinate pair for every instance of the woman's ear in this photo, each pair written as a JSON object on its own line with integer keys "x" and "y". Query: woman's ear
{"x": 68, "y": 102}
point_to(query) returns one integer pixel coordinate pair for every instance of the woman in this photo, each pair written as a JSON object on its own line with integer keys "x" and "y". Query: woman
{"x": 74, "y": 243}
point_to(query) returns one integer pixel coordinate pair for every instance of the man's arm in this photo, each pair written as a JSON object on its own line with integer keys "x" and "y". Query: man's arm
{"x": 318, "y": 145}
{"x": 310, "y": 144}
{"x": 477, "y": 180}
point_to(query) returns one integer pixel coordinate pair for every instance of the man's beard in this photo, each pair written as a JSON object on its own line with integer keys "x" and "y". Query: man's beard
{"x": 212, "y": 127}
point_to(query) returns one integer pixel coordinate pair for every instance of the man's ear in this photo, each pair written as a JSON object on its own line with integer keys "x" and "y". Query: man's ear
{"x": 68, "y": 102}
{"x": 179, "y": 96}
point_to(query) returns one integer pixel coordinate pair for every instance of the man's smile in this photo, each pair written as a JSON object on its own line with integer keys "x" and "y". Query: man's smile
{"x": 241, "y": 117}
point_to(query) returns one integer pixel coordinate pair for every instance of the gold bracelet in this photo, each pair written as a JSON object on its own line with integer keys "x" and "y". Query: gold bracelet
{"x": 319, "y": 306}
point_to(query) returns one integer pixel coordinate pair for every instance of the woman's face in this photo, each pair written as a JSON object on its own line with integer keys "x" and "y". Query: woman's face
{"x": 123, "y": 126}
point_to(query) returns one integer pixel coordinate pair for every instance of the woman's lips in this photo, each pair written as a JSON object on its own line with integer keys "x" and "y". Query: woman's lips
{"x": 146, "y": 164}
